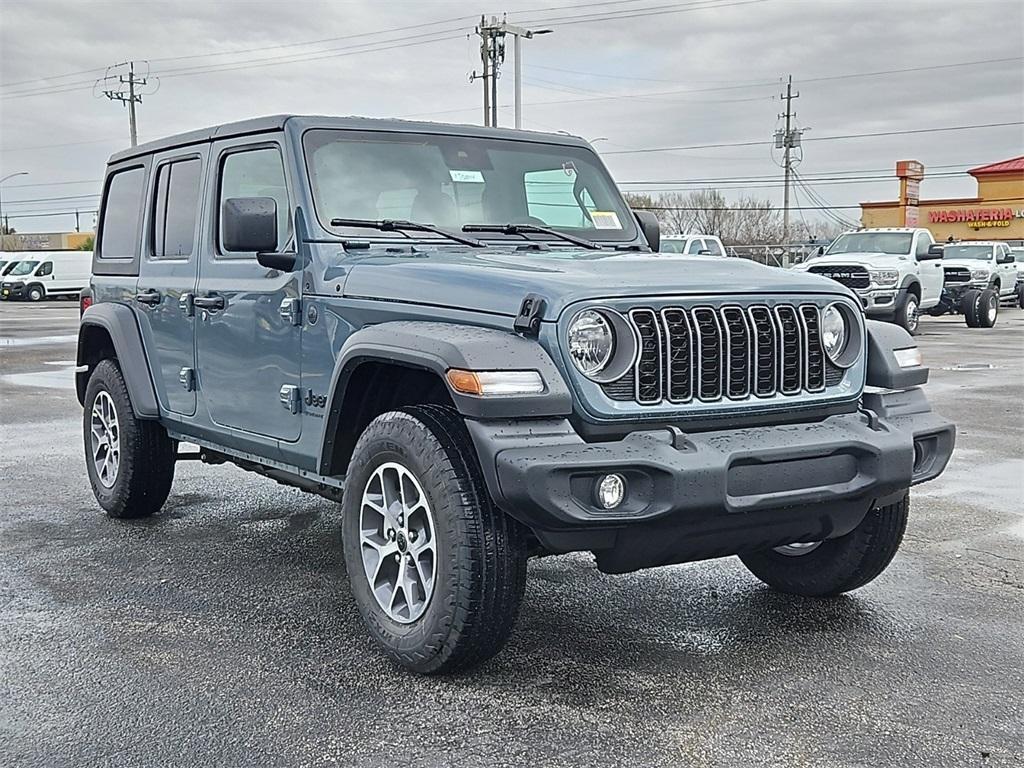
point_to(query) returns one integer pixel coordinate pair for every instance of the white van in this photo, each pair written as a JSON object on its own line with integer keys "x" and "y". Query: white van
{"x": 41, "y": 274}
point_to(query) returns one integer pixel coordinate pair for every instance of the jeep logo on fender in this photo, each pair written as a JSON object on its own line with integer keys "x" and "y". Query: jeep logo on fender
{"x": 314, "y": 400}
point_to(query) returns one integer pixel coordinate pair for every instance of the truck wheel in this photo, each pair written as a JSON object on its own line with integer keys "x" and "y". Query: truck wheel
{"x": 1020, "y": 296}
{"x": 834, "y": 566}
{"x": 436, "y": 570}
{"x": 908, "y": 314}
{"x": 130, "y": 461}
{"x": 35, "y": 293}
{"x": 985, "y": 309}
{"x": 969, "y": 307}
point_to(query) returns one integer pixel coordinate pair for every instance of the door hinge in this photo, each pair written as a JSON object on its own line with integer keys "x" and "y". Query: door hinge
{"x": 187, "y": 377}
{"x": 291, "y": 310}
{"x": 290, "y": 399}
{"x": 185, "y": 304}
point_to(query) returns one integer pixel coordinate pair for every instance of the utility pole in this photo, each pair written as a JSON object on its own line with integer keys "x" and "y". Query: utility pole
{"x": 492, "y": 54}
{"x": 787, "y": 140}
{"x": 131, "y": 98}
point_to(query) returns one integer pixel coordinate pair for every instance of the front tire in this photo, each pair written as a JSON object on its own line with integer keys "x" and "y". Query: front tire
{"x": 35, "y": 293}
{"x": 1020, "y": 296}
{"x": 130, "y": 461}
{"x": 834, "y": 566}
{"x": 908, "y": 314}
{"x": 413, "y": 484}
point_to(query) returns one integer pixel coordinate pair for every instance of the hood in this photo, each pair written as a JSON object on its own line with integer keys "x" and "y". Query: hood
{"x": 862, "y": 258}
{"x": 496, "y": 281}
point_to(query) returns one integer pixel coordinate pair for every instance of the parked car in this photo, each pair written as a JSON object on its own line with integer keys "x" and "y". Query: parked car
{"x": 1018, "y": 264}
{"x": 893, "y": 271}
{"x": 463, "y": 335}
{"x": 703, "y": 245}
{"x": 47, "y": 274}
{"x": 978, "y": 276}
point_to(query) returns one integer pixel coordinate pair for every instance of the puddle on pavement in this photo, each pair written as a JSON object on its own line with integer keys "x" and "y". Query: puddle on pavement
{"x": 59, "y": 379}
{"x": 38, "y": 341}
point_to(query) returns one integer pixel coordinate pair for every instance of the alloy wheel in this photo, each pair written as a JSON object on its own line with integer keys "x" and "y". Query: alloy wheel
{"x": 397, "y": 542}
{"x": 913, "y": 313}
{"x": 106, "y": 439}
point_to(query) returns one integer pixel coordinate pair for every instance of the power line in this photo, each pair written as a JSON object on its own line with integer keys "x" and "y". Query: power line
{"x": 820, "y": 138}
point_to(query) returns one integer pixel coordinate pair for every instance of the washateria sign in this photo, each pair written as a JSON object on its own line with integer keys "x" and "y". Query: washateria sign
{"x": 977, "y": 218}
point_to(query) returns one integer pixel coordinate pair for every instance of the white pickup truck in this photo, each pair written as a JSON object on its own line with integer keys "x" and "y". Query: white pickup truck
{"x": 979, "y": 275}
{"x": 895, "y": 272}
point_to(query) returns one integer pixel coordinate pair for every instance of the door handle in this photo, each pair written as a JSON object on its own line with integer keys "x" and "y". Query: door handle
{"x": 209, "y": 302}
{"x": 150, "y": 298}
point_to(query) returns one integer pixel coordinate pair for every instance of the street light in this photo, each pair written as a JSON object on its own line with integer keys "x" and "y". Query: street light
{"x": 3, "y": 226}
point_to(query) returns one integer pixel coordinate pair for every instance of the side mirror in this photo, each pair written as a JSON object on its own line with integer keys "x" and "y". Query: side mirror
{"x": 250, "y": 224}
{"x": 821, "y": 250}
{"x": 1006, "y": 258}
{"x": 650, "y": 227}
{"x": 934, "y": 252}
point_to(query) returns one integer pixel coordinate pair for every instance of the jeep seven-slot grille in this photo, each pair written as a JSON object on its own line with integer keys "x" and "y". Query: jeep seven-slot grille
{"x": 957, "y": 275}
{"x": 851, "y": 276}
{"x": 708, "y": 354}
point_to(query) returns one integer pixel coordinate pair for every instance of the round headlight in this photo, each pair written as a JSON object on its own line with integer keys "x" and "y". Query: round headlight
{"x": 833, "y": 332}
{"x": 591, "y": 342}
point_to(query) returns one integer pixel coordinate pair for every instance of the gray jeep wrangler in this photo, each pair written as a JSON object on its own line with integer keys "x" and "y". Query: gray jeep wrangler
{"x": 466, "y": 337}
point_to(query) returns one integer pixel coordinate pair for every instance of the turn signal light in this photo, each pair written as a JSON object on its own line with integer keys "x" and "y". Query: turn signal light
{"x": 488, "y": 383}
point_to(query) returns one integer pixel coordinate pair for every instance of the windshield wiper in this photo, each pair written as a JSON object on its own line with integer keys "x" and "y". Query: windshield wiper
{"x": 397, "y": 225}
{"x": 520, "y": 229}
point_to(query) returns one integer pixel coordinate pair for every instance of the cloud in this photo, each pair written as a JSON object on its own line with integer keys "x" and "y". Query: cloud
{"x": 743, "y": 50}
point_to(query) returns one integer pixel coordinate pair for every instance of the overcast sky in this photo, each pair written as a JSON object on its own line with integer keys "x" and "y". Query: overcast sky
{"x": 710, "y": 72}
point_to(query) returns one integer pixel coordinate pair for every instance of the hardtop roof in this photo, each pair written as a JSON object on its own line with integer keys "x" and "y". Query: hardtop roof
{"x": 277, "y": 122}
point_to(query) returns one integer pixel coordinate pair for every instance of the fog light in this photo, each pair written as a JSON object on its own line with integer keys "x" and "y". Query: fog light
{"x": 610, "y": 491}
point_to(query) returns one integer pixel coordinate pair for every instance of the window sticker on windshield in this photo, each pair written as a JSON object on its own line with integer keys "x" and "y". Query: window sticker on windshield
{"x": 569, "y": 168}
{"x": 467, "y": 176}
{"x": 605, "y": 220}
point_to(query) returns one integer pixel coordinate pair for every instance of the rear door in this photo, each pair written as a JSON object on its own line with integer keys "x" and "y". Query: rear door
{"x": 168, "y": 274}
{"x": 247, "y": 344}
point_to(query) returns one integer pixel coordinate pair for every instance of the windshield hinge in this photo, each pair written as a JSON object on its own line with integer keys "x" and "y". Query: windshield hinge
{"x": 529, "y": 317}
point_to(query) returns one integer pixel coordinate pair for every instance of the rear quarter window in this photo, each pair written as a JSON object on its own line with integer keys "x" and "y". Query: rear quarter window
{"x": 120, "y": 228}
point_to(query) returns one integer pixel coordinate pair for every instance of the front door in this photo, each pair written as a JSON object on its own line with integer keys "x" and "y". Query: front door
{"x": 167, "y": 276}
{"x": 248, "y": 346}
{"x": 930, "y": 271}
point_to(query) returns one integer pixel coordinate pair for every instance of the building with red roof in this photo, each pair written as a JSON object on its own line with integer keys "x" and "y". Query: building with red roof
{"x": 996, "y": 212}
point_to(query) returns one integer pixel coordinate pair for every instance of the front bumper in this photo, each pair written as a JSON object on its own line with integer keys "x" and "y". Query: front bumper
{"x": 712, "y": 493}
{"x": 879, "y": 301}
{"x": 12, "y": 290}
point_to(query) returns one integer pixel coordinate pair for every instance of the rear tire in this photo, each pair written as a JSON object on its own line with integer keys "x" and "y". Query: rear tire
{"x": 908, "y": 314}
{"x": 1020, "y": 296}
{"x": 130, "y": 461}
{"x": 835, "y": 565}
{"x": 986, "y": 308}
{"x": 969, "y": 307}
{"x": 479, "y": 553}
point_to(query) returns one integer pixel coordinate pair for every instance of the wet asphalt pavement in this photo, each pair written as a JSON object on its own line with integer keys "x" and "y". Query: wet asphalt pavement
{"x": 221, "y": 632}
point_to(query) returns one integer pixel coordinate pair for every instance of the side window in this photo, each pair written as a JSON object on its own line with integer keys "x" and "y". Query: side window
{"x": 696, "y": 246}
{"x": 714, "y": 247}
{"x": 255, "y": 173}
{"x": 46, "y": 268}
{"x": 550, "y": 197}
{"x": 122, "y": 215}
{"x": 176, "y": 209}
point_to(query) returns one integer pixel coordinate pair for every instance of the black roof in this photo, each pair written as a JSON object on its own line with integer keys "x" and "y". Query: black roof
{"x": 277, "y": 123}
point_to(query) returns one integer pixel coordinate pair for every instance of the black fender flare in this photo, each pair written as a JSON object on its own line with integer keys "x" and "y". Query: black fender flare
{"x": 883, "y": 369}
{"x": 122, "y": 328}
{"x": 437, "y": 347}
{"x": 908, "y": 282}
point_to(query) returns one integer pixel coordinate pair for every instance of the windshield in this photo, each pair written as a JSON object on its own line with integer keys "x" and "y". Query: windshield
{"x": 896, "y": 243}
{"x": 451, "y": 181}
{"x": 23, "y": 268}
{"x": 983, "y": 252}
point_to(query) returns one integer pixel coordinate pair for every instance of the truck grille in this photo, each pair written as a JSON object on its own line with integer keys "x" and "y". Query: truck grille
{"x": 710, "y": 354}
{"x": 957, "y": 274}
{"x": 850, "y": 276}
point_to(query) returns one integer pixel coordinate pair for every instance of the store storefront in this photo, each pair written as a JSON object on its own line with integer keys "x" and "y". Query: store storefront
{"x": 995, "y": 213}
